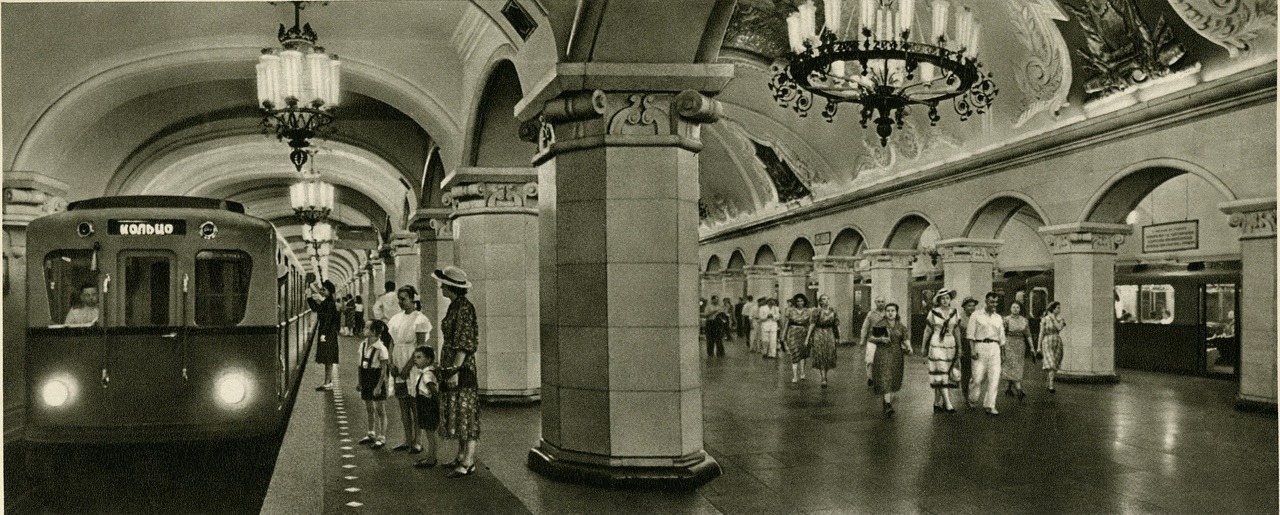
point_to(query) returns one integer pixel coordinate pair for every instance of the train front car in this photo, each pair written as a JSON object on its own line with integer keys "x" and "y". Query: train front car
{"x": 152, "y": 319}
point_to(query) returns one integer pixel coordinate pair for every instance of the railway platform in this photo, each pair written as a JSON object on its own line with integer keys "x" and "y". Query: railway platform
{"x": 1153, "y": 443}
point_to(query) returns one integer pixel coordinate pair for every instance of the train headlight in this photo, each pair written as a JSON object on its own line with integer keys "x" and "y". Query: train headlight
{"x": 232, "y": 388}
{"x": 85, "y": 229}
{"x": 55, "y": 392}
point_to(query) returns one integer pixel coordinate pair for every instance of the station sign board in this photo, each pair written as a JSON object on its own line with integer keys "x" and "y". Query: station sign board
{"x": 1171, "y": 237}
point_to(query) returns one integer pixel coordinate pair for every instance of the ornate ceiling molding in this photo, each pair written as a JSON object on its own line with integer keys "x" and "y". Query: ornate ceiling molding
{"x": 757, "y": 29}
{"x": 1231, "y": 24}
{"x": 909, "y": 143}
{"x": 1045, "y": 76}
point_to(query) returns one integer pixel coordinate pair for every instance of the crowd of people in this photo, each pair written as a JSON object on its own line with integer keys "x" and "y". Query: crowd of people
{"x": 438, "y": 399}
{"x": 966, "y": 349}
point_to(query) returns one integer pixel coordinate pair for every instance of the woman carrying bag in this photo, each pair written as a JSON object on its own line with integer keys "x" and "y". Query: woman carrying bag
{"x": 459, "y": 395}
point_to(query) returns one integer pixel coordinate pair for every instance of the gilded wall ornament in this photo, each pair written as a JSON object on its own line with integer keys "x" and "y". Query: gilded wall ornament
{"x": 1121, "y": 49}
{"x": 1231, "y": 24}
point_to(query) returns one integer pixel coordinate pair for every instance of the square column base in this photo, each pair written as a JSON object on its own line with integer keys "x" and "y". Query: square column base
{"x": 688, "y": 476}
{"x": 1063, "y": 377}
{"x": 1253, "y": 405}
{"x": 510, "y": 398}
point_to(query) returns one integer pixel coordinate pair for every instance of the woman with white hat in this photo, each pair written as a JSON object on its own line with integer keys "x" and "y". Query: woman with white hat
{"x": 459, "y": 397}
{"x": 941, "y": 334}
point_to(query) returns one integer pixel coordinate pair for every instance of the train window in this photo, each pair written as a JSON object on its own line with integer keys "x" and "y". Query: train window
{"x": 68, "y": 273}
{"x": 222, "y": 286}
{"x": 1155, "y": 303}
{"x": 146, "y": 290}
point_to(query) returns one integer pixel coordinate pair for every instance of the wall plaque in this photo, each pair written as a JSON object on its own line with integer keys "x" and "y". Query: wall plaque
{"x": 1172, "y": 236}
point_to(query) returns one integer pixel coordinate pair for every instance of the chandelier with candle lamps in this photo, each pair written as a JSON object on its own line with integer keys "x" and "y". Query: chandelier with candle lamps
{"x": 298, "y": 87}
{"x": 868, "y": 53}
{"x": 311, "y": 198}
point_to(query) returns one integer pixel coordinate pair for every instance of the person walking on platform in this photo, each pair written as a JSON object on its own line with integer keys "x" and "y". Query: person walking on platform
{"x": 967, "y": 307}
{"x": 870, "y": 321}
{"x": 409, "y": 330}
{"x": 459, "y": 399}
{"x": 1017, "y": 333}
{"x": 750, "y": 324}
{"x": 986, "y": 329}
{"x": 374, "y": 360}
{"x": 941, "y": 333}
{"x": 739, "y": 320}
{"x": 328, "y": 321}
{"x": 359, "y": 318}
{"x": 712, "y": 317}
{"x": 798, "y": 318}
{"x": 769, "y": 316}
{"x": 822, "y": 337}
{"x": 893, "y": 342}
{"x": 426, "y": 396}
{"x": 1051, "y": 341}
{"x": 388, "y": 304}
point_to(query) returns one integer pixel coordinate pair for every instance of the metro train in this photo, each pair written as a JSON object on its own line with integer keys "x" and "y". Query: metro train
{"x": 160, "y": 318}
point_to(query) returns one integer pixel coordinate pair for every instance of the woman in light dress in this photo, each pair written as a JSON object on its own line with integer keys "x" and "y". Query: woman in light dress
{"x": 1051, "y": 341}
{"x": 822, "y": 338}
{"x": 941, "y": 332}
{"x": 1017, "y": 333}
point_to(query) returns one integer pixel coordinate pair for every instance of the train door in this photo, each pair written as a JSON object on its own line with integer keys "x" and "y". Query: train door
{"x": 145, "y": 360}
{"x": 1219, "y": 304}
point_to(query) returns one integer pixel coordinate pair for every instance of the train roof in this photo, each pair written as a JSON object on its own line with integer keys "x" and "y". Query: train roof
{"x": 157, "y": 201}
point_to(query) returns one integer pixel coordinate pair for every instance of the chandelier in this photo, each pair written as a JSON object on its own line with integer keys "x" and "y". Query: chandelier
{"x": 311, "y": 198}
{"x": 298, "y": 87}
{"x": 320, "y": 238}
{"x": 874, "y": 58}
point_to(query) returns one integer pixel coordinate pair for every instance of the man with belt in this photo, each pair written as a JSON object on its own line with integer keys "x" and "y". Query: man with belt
{"x": 986, "y": 329}
{"x": 872, "y": 319}
{"x": 967, "y": 308}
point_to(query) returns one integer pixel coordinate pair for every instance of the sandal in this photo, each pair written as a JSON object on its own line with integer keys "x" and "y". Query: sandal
{"x": 455, "y": 473}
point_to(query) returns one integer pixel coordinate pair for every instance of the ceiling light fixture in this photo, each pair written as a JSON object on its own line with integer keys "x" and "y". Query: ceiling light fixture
{"x": 298, "y": 87}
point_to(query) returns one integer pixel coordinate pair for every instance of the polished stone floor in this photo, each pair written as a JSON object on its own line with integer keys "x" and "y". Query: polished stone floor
{"x": 1152, "y": 444}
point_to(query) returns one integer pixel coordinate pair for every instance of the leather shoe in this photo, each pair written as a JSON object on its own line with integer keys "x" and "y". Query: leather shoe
{"x": 455, "y": 473}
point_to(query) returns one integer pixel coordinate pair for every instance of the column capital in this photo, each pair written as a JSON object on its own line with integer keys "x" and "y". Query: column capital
{"x": 475, "y": 190}
{"x": 732, "y": 273}
{"x": 968, "y": 250}
{"x": 403, "y": 242}
{"x": 759, "y": 270}
{"x": 710, "y": 276}
{"x": 1255, "y": 218}
{"x": 794, "y": 267}
{"x": 890, "y": 258}
{"x": 1085, "y": 237}
{"x": 30, "y": 195}
{"x": 839, "y": 264}
{"x": 433, "y": 224}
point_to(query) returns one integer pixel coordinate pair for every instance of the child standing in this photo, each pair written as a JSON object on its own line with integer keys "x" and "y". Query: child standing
{"x": 426, "y": 399}
{"x": 374, "y": 357}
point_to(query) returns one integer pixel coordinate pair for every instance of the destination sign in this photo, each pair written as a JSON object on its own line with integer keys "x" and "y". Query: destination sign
{"x": 146, "y": 227}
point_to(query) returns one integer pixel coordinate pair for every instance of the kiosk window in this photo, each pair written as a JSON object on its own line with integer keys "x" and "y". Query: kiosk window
{"x": 66, "y": 272}
{"x": 222, "y": 286}
{"x": 146, "y": 290}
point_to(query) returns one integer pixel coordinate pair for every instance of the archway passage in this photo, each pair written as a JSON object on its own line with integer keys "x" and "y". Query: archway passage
{"x": 1119, "y": 197}
{"x": 714, "y": 265}
{"x": 849, "y": 242}
{"x": 764, "y": 256}
{"x": 801, "y": 251}
{"x": 736, "y": 261}
{"x": 495, "y": 140}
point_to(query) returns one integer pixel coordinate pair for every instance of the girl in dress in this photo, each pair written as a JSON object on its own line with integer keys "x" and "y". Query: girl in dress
{"x": 892, "y": 342}
{"x": 1017, "y": 332}
{"x": 374, "y": 358}
{"x": 822, "y": 338}
{"x": 797, "y": 332}
{"x": 941, "y": 333}
{"x": 1051, "y": 340}
{"x": 769, "y": 328}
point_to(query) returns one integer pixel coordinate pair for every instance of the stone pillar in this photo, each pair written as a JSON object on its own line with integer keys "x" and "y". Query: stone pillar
{"x": 435, "y": 245}
{"x": 1256, "y": 220}
{"x": 890, "y": 271}
{"x": 967, "y": 265}
{"x": 733, "y": 284}
{"x": 793, "y": 278}
{"x": 495, "y": 216}
{"x": 404, "y": 249}
{"x": 27, "y": 196}
{"x": 1084, "y": 262}
{"x": 622, "y": 393}
{"x": 835, "y": 279}
{"x": 762, "y": 281}
{"x": 709, "y": 285}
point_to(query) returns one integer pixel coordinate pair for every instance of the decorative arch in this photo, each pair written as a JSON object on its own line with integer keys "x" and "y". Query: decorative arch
{"x": 736, "y": 260}
{"x": 493, "y": 132}
{"x": 713, "y": 264}
{"x": 1124, "y": 190}
{"x": 801, "y": 251}
{"x": 906, "y": 233}
{"x": 764, "y": 256}
{"x": 998, "y": 209}
{"x": 432, "y": 175}
{"x": 848, "y": 242}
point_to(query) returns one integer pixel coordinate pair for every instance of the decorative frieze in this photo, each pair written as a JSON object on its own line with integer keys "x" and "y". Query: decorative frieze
{"x": 794, "y": 268}
{"x": 1231, "y": 24}
{"x": 968, "y": 250}
{"x": 890, "y": 258}
{"x": 1255, "y": 218}
{"x": 433, "y": 224}
{"x": 489, "y": 190}
{"x": 404, "y": 243}
{"x": 1085, "y": 237}
{"x": 29, "y": 195}
{"x": 759, "y": 270}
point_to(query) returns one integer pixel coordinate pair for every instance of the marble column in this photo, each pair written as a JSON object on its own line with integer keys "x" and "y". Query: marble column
{"x": 495, "y": 217}
{"x": 967, "y": 265}
{"x": 835, "y": 279}
{"x": 435, "y": 246}
{"x": 890, "y": 271}
{"x": 27, "y": 196}
{"x": 1084, "y": 262}
{"x": 733, "y": 284}
{"x": 404, "y": 249}
{"x": 793, "y": 278}
{"x": 1256, "y": 221}
{"x": 762, "y": 280}
{"x": 622, "y": 393}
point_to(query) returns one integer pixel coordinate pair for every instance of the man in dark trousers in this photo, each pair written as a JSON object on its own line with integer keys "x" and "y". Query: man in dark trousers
{"x": 743, "y": 329}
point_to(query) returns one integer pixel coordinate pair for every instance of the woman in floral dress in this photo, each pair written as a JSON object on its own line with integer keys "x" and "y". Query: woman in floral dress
{"x": 893, "y": 341}
{"x": 941, "y": 333}
{"x": 822, "y": 338}
{"x": 1017, "y": 333}
{"x": 459, "y": 397}
{"x": 1051, "y": 340}
{"x": 797, "y": 317}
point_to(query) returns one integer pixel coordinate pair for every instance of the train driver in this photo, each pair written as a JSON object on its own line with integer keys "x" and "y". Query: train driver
{"x": 85, "y": 313}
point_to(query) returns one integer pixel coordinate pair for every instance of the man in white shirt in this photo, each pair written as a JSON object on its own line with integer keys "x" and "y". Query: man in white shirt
{"x": 986, "y": 329}
{"x": 387, "y": 305}
{"x": 748, "y": 318}
{"x": 870, "y": 321}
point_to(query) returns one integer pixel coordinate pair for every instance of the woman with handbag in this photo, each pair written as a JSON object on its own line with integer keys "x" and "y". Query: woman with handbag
{"x": 409, "y": 330}
{"x": 459, "y": 396}
{"x": 893, "y": 341}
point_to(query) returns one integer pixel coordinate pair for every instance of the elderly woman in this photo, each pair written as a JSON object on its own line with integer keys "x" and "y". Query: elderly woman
{"x": 459, "y": 416}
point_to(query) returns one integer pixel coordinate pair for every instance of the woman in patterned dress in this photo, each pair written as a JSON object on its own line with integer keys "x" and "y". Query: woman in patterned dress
{"x": 459, "y": 398}
{"x": 941, "y": 332}
{"x": 1017, "y": 333}
{"x": 893, "y": 341}
{"x": 822, "y": 338}
{"x": 1051, "y": 340}
{"x": 797, "y": 317}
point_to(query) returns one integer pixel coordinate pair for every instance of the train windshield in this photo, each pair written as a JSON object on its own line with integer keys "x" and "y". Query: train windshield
{"x": 72, "y": 282}
{"x": 222, "y": 286}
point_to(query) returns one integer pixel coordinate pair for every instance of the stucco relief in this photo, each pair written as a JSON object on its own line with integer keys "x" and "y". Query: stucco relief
{"x": 1231, "y": 24}
{"x": 490, "y": 194}
{"x": 1122, "y": 50}
{"x": 643, "y": 115}
{"x": 1045, "y": 76}
{"x": 1084, "y": 242}
{"x": 1255, "y": 223}
{"x": 757, "y": 28}
{"x": 909, "y": 143}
